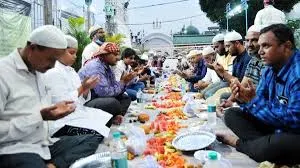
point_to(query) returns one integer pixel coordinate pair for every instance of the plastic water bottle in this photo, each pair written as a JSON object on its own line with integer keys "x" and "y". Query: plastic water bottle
{"x": 118, "y": 152}
{"x": 183, "y": 87}
{"x": 211, "y": 112}
{"x": 157, "y": 84}
{"x": 140, "y": 98}
{"x": 213, "y": 161}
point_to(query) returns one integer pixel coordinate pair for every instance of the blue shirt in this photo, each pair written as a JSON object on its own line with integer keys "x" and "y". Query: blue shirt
{"x": 277, "y": 101}
{"x": 108, "y": 86}
{"x": 200, "y": 72}
{"x": 240, "y": 64}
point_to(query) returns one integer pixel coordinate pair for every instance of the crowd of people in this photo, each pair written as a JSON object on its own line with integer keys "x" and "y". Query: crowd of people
{"x": 51, "y": 115}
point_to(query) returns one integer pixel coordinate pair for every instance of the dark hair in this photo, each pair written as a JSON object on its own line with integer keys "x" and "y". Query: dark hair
{"x": 271, "y": 2}
{"x": 39, "y": 47}
{"x": 128, "y": 52}
{"x": 282, "y": 32}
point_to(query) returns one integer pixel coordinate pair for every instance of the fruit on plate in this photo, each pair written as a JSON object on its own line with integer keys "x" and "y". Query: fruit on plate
{"x": 146, "y": 128}
{"x": 150, "y": 107}
{"x": 168, "y": 104}
{"x": 175, "y": 113}
{"x": 130, "y": 156}
{"x": 143, "y": 118}
{"x": 172, "y": 96}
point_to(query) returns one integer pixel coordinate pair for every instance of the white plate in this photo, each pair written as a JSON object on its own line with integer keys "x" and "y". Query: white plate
{"x": 193, "y": 141}
{"x": 176, "y": 89}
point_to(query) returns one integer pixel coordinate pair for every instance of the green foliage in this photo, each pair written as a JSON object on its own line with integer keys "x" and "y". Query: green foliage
{"x": 215, "y": 11}
{"x": 294, "y": 24}
{"x": 117, "y": 38}
{"x": 76, "y": 29}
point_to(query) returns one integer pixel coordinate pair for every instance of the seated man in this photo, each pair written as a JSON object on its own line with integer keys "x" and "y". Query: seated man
{"x": 235, "y": 46}
{"x": 255, "y": 66}
{"x": 199, "y": 71}
{"x": 63, "y": 83}
{"x": 123, "y": 67}
{"x": 24, "y": 137}
{"x": 108, "y": 91}
{"x": 211, "y": 76}
{"x": 268, "y": 124}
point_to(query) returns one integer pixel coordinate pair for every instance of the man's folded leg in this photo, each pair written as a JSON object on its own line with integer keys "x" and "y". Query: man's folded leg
{"x": 71, "y": 148}
{"x": 244, "y": 125}
{"x": 22, "y": 160}
{"x": 280, "y": 148}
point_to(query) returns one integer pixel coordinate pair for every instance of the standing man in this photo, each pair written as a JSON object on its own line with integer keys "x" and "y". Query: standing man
{"x": 25, "y": 110}
{"x": 97, "y": 35}
{"x": 268, "y": 123}
{"x": 269, "y": 15}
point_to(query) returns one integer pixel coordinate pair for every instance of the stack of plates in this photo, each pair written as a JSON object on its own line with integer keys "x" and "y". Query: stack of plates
{"x": 193, "y": 141}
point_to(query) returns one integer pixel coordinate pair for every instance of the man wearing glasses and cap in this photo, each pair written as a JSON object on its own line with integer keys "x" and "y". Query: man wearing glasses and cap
{"x": 97, "y": 35}
{"x": 25, "y": 106}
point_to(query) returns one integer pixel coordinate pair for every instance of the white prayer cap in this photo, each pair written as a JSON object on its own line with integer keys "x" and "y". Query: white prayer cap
{"x": 48, "y": 36}
{"x": 72, "y": 42}
{"x": 217, "y": 38}
{"x": 194, "y": 53}
{"x": 233, "y": 36}
{"x": 254, "y": 28}
{"x": 94, "y": 28}
{"x": 180, "y": 57}
{"x": 208, "y": 50}
{"x": 145, "y": 57}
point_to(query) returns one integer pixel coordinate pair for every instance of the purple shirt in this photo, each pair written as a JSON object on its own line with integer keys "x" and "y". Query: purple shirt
{"x": 108, "y": 86}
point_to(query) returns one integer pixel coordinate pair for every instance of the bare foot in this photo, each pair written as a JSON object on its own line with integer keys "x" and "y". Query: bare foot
{"x": 227, "y": 139}
{"x": 50, "y": 165}
{"x": 117, "y": 120}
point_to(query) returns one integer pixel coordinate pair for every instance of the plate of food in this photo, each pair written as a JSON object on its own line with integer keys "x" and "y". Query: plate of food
{"x": 193, "y": 141}
{"x": 176, "y": 90}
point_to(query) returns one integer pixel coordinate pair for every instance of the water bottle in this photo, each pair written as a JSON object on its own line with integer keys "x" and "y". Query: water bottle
{"x": 157, "y": 84}
{"x": 213, "y": 161}
{"x": 118, "y": 152}
{"x": 140, "y": 98}
{"x": 183, "y": 87}
{"x": 211, "y": 112}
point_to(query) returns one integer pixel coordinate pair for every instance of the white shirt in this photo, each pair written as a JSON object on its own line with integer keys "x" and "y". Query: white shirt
{"x": 88, "y": 52}
{"x": 268, "y": 16}
{"x": 22, "y": 96}
{"x": 211, "y": 76}
{"x": 121, "y": 68}
{"x": 62, "y": 83}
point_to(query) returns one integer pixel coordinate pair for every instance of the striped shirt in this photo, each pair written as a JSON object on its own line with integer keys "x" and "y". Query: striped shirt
{"x": 254, "y": 69}
{"x": 277, "y": 101}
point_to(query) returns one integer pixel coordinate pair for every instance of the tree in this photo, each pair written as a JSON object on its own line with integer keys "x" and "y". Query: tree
{"x": 76, "y": 29}
{"x": 215, "y": 11}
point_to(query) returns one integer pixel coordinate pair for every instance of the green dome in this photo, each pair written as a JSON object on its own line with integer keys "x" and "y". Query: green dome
{"x": 190, "y": 30}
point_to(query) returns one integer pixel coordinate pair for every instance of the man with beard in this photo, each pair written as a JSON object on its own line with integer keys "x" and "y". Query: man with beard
{"x": 267, "y": 124}
{"x": 223, "y": 58}
{"x": 234, "y": 45}
{"x": 255, "y": 66}
{"x": 97, "y": 35}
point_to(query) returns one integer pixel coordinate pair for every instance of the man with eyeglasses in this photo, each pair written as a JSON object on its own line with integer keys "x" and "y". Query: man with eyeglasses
{"x": 97, "y": 35}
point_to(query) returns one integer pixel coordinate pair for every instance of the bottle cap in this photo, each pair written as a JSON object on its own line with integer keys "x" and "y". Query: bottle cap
{"x": 211, "y": 108}
{"x": 116, "y": 135}
{"x": 212, "y": 155}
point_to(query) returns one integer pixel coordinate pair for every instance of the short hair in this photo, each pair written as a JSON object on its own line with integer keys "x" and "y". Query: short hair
{"x": 39, "y": 47}
{"x": 128, "y": 52}
{"x": 270, "y": 2}
{"x": 282, "y": 32}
